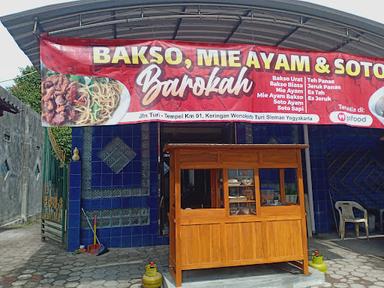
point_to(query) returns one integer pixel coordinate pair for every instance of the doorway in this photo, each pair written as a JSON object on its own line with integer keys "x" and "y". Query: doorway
{"x": 214, "y": 133}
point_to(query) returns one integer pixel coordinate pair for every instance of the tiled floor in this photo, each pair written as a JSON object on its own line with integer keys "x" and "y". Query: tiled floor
{"x": 360, "y": 266}
{"x": 25, "y": 261}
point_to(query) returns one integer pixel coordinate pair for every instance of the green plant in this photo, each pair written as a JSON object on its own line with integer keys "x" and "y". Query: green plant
{"x": 63, "y": 136}
{"x": 27, "y": 89}
{"x": 290, "y": 189}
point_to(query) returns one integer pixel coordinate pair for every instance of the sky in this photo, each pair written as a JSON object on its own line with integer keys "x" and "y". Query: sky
{"x": 12, "y": 58}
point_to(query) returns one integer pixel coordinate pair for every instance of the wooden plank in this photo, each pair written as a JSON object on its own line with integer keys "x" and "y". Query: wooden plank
{"x": 282, "y": 240}
{"x": 198, "y": 156}
{"x": 255, "y": 218}
{"x": 282, "y": 185}
{"x": 237, "y": 219}
{"x": 178, "y": 239}
{"x": 277, "y": 158}
{"x": 249, "y": 156}
{"x": 172, "y": 217}
{"x": 244, "y": 263}
{"x": 243, "y": 242}
{"x": 283, "y": 210}
{"x": 201, "y": 216}
{"x": 226, "y": 191}
{"x": 257, "y": 191}
{"x": 205, "y": 247}
{"x": 215, "y": 193}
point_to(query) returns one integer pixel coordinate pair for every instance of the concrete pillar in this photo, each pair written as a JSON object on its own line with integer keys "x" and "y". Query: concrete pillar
{"x": 309, "y": 178}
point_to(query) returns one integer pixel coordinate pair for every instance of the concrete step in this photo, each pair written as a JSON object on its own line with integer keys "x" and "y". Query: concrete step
{"x": 260, "y": 276}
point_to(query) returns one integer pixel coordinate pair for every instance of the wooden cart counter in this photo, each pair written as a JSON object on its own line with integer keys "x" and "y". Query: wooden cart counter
{"x": 234, "y": 205}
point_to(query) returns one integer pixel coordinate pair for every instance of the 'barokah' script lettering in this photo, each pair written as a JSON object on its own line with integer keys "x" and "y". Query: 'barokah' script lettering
{"x": 152, "y": 86}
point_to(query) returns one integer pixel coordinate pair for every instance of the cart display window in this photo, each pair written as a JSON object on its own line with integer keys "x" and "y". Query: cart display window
{"x": 278, "y": 186}
{"x": 290, "y": 186}
{"x": 270, "y": 187}
{"x": 202, "y": 188}
{"x": 241, "y": 190}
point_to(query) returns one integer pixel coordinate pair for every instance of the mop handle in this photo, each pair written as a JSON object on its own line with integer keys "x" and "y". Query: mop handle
{"x": 90, "y": 225}
{"x": 94, "y": 229}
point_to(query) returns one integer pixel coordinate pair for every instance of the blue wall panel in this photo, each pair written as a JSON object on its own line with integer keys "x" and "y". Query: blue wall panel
{"x": 103, "y": 179}
{"x": 277, "y": 134}
{"x": 347, "y": 164}
{"x": 73, "y": 231}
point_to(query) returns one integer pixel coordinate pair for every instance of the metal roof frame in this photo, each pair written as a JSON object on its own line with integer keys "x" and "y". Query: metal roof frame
{"x": 303, "y": 25}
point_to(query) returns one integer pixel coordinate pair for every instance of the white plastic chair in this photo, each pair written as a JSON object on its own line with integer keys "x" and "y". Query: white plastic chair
{"x": 345, "y": 209}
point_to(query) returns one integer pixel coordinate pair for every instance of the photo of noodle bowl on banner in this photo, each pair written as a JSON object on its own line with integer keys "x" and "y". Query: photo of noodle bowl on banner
{"x": 376, "y": 104}
{"x": 81, "y": 100}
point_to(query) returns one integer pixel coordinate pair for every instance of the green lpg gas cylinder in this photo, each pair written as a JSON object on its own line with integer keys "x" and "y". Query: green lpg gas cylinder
{"x": 318, "y": 263}
{"x": 152, "y": 278}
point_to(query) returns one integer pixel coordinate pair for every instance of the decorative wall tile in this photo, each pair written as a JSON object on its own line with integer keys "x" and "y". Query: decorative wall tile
{"x": 116, "y": 155}
{"x": 90, "y": 192}
{"x": 117, "y": 217}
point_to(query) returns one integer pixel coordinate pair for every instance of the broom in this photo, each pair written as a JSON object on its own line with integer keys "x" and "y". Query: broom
{"x": 101, "y": 249}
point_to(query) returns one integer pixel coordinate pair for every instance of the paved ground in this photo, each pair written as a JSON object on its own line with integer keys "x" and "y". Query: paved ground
{"x": 348, "y": 268}
{"x": 25, "y": 261}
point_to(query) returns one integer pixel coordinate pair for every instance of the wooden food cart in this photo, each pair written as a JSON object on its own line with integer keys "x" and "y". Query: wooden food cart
{"x": 233, "y": 205}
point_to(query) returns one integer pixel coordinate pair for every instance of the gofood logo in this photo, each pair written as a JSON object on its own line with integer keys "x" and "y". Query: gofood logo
{"x": 341, "y": 116}
{"x": 351, "y": 119}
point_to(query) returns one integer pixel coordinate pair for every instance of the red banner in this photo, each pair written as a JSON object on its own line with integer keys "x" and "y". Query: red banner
{"x": 89, "y": 82}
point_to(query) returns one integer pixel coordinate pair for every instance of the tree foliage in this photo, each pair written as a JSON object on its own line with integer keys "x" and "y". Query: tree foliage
{"x": 63, "y": 136}
{"x": 27, "y": 89}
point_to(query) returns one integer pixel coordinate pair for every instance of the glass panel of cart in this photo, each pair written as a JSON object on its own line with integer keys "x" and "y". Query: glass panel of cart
{"x": 241, "y": 188}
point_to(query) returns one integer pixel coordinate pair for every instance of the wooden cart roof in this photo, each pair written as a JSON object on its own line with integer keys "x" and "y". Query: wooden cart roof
{"x": 170, "y": 147}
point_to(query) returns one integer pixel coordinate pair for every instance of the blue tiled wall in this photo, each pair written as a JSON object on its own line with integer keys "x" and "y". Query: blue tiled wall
{"x": 73, "y": 232}
{"x": 277, "y": 134}
{"x": 320, "y": 186}
{"x": 347, "y": 164}
{"x": 240, "y": 133}
{"x": 104, "y": 178}
{"x": 102, "y": 175}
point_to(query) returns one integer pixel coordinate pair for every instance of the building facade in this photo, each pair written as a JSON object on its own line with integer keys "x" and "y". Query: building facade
{"x": 346, "y": 164}
{"x": 122, "y": 174}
